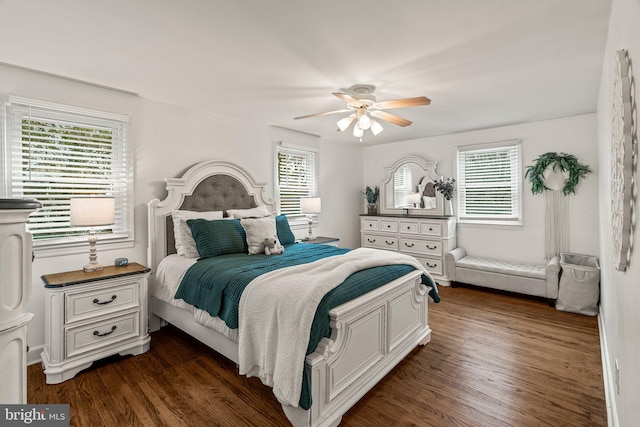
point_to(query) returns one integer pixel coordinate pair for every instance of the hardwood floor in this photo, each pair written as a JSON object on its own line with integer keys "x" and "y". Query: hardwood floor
{"x": 494, "y": 360}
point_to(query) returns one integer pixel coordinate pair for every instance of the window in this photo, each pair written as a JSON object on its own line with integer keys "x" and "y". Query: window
{"x": 297, "y": 176}
{"x": 402, "y": 186}
{"x": 55, "y": 152}
{"x": 489, "y": 183}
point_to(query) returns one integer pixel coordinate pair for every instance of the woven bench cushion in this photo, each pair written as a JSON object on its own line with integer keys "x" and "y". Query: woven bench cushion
{"x": 504, "y": 267}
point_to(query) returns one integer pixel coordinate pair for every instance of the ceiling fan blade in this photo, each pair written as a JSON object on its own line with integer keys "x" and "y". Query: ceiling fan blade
{"x": 406, "y": 102}
{"x": 390, "y": 118}
{"x": 322, "y": 114}
{"x": 345, "y": 97}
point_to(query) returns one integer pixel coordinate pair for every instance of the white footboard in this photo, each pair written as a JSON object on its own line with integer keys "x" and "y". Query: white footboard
{"x": 370, "y": 336}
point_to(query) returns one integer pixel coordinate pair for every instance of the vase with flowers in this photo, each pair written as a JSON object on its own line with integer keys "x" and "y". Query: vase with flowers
{"x": 372, "y": 194}
{"x": 447, "y": 187}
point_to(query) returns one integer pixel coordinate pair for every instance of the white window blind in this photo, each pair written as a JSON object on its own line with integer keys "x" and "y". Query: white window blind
{"x": 56, "y": 152}
{"x": 489, "y": 182}
{"x": 297, "y": 176}
{"x": 403, "y": 186}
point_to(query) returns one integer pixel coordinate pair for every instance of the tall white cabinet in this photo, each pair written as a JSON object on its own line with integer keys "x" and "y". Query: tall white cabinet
{"x": 15, "y": 289}
{"x": 426, "y": 239}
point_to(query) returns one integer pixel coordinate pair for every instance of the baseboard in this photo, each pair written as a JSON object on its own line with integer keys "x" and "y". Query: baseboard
{"x": 609, "y": 378}
{"x": 33, "y": 355}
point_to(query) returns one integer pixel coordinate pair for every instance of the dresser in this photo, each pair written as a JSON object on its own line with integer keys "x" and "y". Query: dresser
{"x": 426, "y": 239}
{"x": 93, "y": 315}
{"x": 15, "y": 289}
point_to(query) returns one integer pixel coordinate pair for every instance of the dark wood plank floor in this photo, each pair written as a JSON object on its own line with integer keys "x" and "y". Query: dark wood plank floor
{"x": 494, "y": 360}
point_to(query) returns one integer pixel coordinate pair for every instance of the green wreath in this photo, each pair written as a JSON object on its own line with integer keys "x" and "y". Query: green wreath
{"x": 562, "y": 162}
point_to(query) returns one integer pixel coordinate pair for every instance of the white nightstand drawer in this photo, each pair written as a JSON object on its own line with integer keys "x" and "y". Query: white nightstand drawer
{"x": 96, "y": 302}
{"x": 92, "y": 336}
{"x": 424, "y": 247}
{"x": 390, "y": 226}
{"x": 431, "y": 229}
{"x": 380, "y": 242}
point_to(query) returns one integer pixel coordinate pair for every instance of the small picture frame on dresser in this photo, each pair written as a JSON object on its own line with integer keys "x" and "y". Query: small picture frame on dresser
{"x": 405, "y": 212}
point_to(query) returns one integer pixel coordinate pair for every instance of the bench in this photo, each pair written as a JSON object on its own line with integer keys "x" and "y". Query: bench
{"x": 528, "y": 279}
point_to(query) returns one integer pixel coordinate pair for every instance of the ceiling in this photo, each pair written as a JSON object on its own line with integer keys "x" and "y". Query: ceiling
{"x": 483, "y": 63}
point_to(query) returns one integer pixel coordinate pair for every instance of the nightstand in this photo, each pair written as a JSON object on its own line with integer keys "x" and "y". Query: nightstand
{"x": 331, "y": 241}
{"x": 89, "y": 316}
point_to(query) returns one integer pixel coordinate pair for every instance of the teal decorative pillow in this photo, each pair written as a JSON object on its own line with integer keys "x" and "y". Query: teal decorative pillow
{"x": 218, "y": 237}
{"x": 285, "y": 235}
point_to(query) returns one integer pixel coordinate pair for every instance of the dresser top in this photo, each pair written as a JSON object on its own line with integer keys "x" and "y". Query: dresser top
{"x": 68, "y": 278}
{"x": 408, "y": 216}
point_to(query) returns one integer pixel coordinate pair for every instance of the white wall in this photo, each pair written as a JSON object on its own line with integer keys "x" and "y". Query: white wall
{"x": 166, "y": 140}
{"x": 620, "y": 291}
{"x": 525, "y": 243}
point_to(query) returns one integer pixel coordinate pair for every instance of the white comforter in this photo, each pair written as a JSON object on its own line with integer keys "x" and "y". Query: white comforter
{"x": 276, "y": 313}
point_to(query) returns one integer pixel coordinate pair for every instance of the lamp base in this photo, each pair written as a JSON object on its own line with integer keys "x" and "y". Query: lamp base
{"x": 92, "y": 266}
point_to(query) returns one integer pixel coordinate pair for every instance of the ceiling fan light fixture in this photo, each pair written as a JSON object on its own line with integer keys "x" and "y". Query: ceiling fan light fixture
{"x": 357, "y": 132}
{"x": 345, "y": 122}
{"x": 364, "y": 122}
{"x": 376, "y": 127}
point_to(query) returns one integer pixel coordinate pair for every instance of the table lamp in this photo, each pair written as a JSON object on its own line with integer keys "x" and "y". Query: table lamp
{"x": 414, "y": 199}
{"x": 310, "y": 206}
{"x": 92, "y": 212}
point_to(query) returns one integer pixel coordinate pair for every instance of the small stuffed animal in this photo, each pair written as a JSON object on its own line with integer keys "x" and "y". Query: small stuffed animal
{"x": 272, "y": 246}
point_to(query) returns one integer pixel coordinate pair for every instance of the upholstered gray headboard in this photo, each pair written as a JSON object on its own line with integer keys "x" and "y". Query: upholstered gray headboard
{"x": 215, "y": 193}
{"x": 207, "y": 186}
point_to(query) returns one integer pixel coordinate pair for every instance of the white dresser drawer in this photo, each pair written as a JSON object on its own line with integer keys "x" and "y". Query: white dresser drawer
{"x": 389, "y": 226}
{"x": 423, "y": 247}
{"x": 409, "y": 227}
{"x": 83, "y": 338}
{"x": 370, "y": 224}
{"x": 433, "y": 266}
{"x": 431, "y": 229}
{"x": 100, "y": 301}
{"x": 380, "y": 242}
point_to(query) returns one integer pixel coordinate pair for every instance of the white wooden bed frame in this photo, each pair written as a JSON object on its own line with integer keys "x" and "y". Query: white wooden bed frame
{"x": 370, "y": 334}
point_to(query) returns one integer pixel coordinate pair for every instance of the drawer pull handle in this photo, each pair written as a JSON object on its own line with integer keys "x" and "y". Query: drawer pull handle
{"x": 409, "y": 245}
{"x": 389, "y": 242}
{"x": 97, "y": 301}
{"x": 432, "y": 247}
{"x": 371, "y": 240}
{"x": 430, "y": 228}
{"x": 431, "y": 265}
{"x": 98, "y": 334}
{"x": 388, "y": 225}
{"x": 370, "y": 225}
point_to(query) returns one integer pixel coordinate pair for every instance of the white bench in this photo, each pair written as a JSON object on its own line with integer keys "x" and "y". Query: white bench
{"x": 536, "y": 280}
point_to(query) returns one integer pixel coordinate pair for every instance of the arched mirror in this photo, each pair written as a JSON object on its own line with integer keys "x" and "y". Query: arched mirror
{"x": 408, "y": 184}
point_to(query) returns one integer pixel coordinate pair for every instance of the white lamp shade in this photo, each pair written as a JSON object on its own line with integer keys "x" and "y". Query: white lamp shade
{"x": 345, "y": 122}
{"x": 413, "y": 198}
{"x": 364, "y": 122}
{"x": 310, "y": 205}
{"x": 92, "y": 211}
{"x": 376, "y": 127}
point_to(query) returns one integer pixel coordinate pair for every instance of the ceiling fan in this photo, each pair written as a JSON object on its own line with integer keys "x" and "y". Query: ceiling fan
{"x": 362, "y": 104}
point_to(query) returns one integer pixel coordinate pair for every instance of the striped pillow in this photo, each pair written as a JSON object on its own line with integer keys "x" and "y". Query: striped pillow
{"x": 218, "y": 237}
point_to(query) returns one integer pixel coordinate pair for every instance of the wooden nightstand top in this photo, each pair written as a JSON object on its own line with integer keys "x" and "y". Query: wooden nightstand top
{"x": 321, "y": 239}
{"x": 67, "y": 278}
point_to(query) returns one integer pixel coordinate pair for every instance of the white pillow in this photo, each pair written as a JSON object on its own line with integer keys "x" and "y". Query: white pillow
{"x": 257, "y": 229}
{"x": 185, "y": 245}
{"x": 260, "y": 211}
{"x": 430, "y": 202}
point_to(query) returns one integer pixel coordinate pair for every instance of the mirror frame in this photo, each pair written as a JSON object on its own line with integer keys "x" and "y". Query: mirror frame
{"x": 429, "y": 169}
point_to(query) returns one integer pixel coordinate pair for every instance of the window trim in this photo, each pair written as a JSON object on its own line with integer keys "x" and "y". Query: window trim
{"x": 517, "y": 143}
{"x": 72, "y": 244}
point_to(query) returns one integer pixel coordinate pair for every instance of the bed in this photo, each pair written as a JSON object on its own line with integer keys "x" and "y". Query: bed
{"x": 368, "y": 335}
